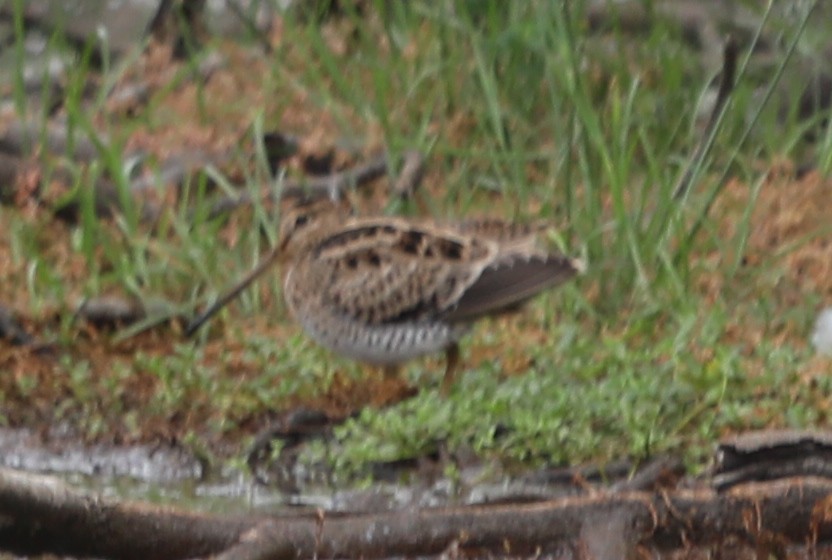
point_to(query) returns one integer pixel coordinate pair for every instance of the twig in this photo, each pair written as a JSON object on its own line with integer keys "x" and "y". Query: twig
{"x": 137, "y": 93}
{"x": 179, "y": 24}
{"x": 159, "y": 22}
{"x": 726, "y": 86}
{"x": 357, "y": 176}
{"x": 111, "y": 310}
{"x": 251, "y": 25}
{"x": 11, "y": 330}
{"x": 11, "y": 167}
{"x": 36, "y": 15}
{"x": 664, "y": 472}
{"x": 410, "y": 178}
{"x": 23, "y": 137}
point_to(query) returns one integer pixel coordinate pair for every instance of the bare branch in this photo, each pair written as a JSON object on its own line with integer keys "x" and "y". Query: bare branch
{"x": 726, "y": 86}
{"x": 40, "y": 515}
{"x": 357, "y": 176}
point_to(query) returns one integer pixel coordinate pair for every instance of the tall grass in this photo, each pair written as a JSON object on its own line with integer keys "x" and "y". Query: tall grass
{"x": 607, "y": 121}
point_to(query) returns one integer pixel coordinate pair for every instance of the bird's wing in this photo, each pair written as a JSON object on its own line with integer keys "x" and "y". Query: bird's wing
{"x": 520, "y": 270}
{"x": 510, "y": 281}
{"x": 387, "y": 270}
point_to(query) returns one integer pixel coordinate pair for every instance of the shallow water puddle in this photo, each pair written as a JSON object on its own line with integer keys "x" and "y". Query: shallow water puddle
{"x": 170, "y": 474}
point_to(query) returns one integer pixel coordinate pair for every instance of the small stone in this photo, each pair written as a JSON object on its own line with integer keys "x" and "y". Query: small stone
{"x": 822, "y": 335}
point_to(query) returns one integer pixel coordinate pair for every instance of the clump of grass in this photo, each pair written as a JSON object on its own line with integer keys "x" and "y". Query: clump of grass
{"x": 616, "y": 395}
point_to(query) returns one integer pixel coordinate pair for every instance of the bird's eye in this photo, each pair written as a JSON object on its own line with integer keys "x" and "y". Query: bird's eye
{"x": 301, "y": 221}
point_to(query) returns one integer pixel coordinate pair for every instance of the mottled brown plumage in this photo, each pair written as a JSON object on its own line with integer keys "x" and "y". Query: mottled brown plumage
{"x": 384, "y": 290}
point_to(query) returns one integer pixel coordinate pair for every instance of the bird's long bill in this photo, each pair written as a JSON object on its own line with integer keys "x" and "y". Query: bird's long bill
{"x": 512, "y": 283}
{"x": 212, "y": 309}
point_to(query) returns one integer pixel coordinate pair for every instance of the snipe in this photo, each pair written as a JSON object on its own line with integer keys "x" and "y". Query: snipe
{"x": 384, "y": 290}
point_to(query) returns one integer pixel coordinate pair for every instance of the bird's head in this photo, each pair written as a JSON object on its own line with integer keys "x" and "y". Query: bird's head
{"x": 305, "y": 214}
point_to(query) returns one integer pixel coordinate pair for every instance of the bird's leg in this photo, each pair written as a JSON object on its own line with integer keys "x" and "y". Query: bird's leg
{"x": 451, "y": 365}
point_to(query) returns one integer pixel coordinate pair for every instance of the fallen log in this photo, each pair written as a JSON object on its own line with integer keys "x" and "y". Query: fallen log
{"x": 41, "y": 515}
